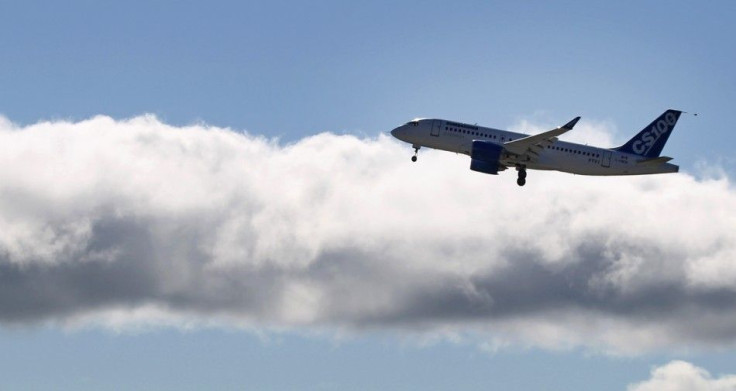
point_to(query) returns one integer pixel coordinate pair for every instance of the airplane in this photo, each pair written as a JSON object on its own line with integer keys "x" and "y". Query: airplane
{"x": 493, "y": 150}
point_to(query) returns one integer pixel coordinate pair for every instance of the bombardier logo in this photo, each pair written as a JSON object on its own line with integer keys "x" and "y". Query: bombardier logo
{"x": 648, "y": 138}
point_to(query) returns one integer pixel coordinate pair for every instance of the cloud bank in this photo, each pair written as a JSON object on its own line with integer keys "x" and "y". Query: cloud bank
{"x": 133, "y": 221}
{"x": 681, "y": 375}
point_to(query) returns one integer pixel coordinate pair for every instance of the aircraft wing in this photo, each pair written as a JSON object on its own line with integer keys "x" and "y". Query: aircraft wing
{"x": 531, "y": 146}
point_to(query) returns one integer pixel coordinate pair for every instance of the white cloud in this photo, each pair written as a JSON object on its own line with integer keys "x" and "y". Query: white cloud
{"x": 335, "y": 232}
{"x": 681, "y": 375}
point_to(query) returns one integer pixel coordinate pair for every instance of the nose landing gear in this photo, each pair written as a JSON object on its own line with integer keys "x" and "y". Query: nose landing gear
{"x": 416, "y": 151}
{"x": 521, "y": 181}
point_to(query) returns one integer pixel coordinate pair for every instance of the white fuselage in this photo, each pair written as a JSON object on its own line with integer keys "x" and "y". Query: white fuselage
{"x": 560, "y": 156}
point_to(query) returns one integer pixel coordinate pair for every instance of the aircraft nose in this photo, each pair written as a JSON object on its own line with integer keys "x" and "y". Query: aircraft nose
{"x": 397, "y": 132}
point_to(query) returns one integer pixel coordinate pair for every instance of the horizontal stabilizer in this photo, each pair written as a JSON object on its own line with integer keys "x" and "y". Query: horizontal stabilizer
{"x": 656, "y": 160}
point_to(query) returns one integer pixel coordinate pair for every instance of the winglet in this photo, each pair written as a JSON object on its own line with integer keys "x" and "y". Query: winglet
{"x": 570, "y": 124}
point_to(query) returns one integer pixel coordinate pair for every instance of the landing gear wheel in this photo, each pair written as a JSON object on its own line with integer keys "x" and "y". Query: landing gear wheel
{"x": 414, "y": 158}
{"x": 521, "y": 181}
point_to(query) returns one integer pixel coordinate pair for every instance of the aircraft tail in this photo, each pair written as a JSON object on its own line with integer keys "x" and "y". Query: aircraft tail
{"x": 650, "y": 141}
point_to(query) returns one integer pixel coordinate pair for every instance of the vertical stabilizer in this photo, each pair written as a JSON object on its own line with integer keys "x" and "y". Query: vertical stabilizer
{"x": 650, "y": 141}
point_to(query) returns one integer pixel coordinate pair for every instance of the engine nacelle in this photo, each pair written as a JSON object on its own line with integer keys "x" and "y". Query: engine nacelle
{"x": 485, "y": 157}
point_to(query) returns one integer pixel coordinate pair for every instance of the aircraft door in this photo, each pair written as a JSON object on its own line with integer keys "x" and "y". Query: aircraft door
{"x": 436, "y": 126}
{"x": 606, "y": 159}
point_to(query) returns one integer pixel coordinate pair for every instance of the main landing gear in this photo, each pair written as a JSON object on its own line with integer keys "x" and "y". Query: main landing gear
{"x": 416, "y": 151}
{"x": 521, "y": 181}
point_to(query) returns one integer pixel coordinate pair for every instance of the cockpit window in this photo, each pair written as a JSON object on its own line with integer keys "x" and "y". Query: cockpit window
{"x": 413, "y": 122}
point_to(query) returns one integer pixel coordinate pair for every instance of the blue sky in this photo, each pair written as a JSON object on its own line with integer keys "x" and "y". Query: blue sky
{"x": 290, "y": 70}
{"x": 174, "y": 360}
